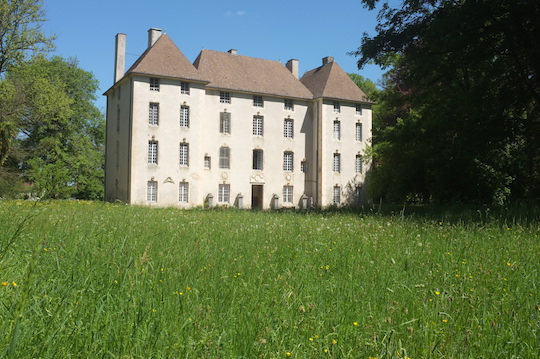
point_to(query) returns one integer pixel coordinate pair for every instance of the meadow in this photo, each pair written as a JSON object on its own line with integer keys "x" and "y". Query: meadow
{"x": 96, "y": 280}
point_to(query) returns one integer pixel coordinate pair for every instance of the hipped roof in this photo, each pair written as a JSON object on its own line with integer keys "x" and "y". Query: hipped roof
{"x": 164, "y": 59}
{"x": 248, "y": 74}
{"x": 330, "y": 81}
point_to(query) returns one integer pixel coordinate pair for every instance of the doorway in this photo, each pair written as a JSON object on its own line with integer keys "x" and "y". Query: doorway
{"x": 256, "y": 196}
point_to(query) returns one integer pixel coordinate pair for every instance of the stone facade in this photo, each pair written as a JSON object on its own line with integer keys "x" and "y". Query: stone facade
{"x": 233, "y": 130}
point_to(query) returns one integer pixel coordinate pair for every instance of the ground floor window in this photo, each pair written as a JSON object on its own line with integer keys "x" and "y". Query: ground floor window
{"x": 287, "y": 194}
{"x": 224, "y": 193}
{"x": 151, "y": 191}
{"x": 183, "y": 195}
{"x": 336, "y": 198}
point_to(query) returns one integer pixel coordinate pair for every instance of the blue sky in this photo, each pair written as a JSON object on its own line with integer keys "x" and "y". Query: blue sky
{"x": 276, "y": 30}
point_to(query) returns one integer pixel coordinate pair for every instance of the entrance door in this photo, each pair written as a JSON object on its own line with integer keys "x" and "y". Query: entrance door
{"x": 256, "y": 196}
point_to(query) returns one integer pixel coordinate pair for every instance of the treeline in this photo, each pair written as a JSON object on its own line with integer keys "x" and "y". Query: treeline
{"x": 51, "y": 133}
{"x": 458, "y": 116}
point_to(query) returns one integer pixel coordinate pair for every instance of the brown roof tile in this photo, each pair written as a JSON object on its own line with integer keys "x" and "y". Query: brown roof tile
{"x": 248, "y": 74}
{"x": 165, "y": 59}
{"x": 330, "y": 81}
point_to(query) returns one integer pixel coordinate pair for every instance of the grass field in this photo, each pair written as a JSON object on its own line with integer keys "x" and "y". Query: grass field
{"x": 94, "y": 280}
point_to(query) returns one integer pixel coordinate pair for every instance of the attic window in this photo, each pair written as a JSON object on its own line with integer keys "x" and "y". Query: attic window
{"x": 154, "y": 84}
{"x": 184, "y": 88}
{"x": 258, "y": 101}
{"x": 358, "y": 109}
{"x": 337, "y": 107}
{"x": 224, "y": 97}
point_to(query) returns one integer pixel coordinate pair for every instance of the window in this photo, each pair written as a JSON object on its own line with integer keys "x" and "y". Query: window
{"x": 337, "y": 130}
{"x": 289, "y": 105}
{"x": 153, "y": 152}
{"x": 287, "y": 194}
{"x": 118, "y": 119}
{"x": 288, "y": 128}
{"x": 154, "y": 84}
{"x": 184, "y": 154}
{"x": 358, "y": 164}
{"x": 184, "y": 88}
{"x": 336, "y": 198}
{"x": 153, "y": 114}
{"x": 337, "y": 162}
{"x": 358, "y": 131}
{"x": 151, "y": 191}
{"x": 224, "y": 193}
{"x": 258, "y": 101}
{"x": 304, "y": 166}
{"x": 288, "y": 160}
{"x": 224, "y": 157}
{"x": 184, "y": 116}
{"x": 337, "y": 107}
{"x": 207, "y": 162}
{"x": 224, "y": 97}
{"x": 257, "y": 159}
{"x": 358, "y": 109}
{"x": 258, "y": 123}
{"x": 183, "y": 192}
{"x": 225, "y": 123}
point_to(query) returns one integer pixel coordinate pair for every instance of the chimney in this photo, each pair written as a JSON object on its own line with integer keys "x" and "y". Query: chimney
{"x": 232, "y": 51}
{"x": 153, "y": 36}
{"x": 120, "y": 57}
{"x": 292, "y": 65}
{"x": 327, "y": 60}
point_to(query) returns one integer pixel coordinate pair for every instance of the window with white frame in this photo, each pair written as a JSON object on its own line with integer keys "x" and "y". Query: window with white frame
{"x": 153, "y": 152}
{"x": 358, "y": 109}
{"x": 258, "y": 126}
{"x": 287, "y": 194}
{"x": 257, "y": 159}
{"x": 151, "y": 191}
{"x": 336, "y": 197}
{"x": 224, "y": 157}
{"x": 154, "y": 84}
{"x": 153, "y": 114}
{"x": 337, "y": 107}
{"x": 289, "y": 105}
{"x": 207, "y": 162}
{"x": 358, "y": 131}
{"x": 288, "y": 128}
{"x": 184, "y": 154}
{"x": 183, "y": 192}
{"x": 224, "y": 97}
{"x": 184, "y": 88}
{"x": 358, "y": 163}
{"x": 337, "y": 162}
{"x": 258, "y": 101}
{"x": 337, "y": 129}
{"x": 224, "y": 193}
{"x": 288, "y": 161}
{"x": 225, "y": 123}
{"x": 184, "y": 116}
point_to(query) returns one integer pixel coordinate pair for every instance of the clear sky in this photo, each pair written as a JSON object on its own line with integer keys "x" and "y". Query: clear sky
{"x": 273, "y": 29}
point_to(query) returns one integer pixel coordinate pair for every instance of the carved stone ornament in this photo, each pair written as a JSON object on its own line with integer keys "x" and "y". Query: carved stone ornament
{"x": 258, "y": 178}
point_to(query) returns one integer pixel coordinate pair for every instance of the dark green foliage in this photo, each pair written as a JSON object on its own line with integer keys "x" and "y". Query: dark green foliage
{"x": 460, "y": 107}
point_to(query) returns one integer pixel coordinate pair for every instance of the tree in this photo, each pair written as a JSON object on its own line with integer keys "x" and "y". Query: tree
{"x": 20, "y": 31}
{"x": 58, "y": 127}
{"x": 464, "y": 100}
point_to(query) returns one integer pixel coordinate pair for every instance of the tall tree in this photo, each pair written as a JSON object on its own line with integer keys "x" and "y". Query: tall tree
{"x": 21, "y": 34}
{"x": 59, "y": 129}
{"x": 466, "y": 80}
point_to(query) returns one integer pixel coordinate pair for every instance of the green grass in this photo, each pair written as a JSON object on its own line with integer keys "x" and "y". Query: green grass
{"x": 97, "y": 280}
